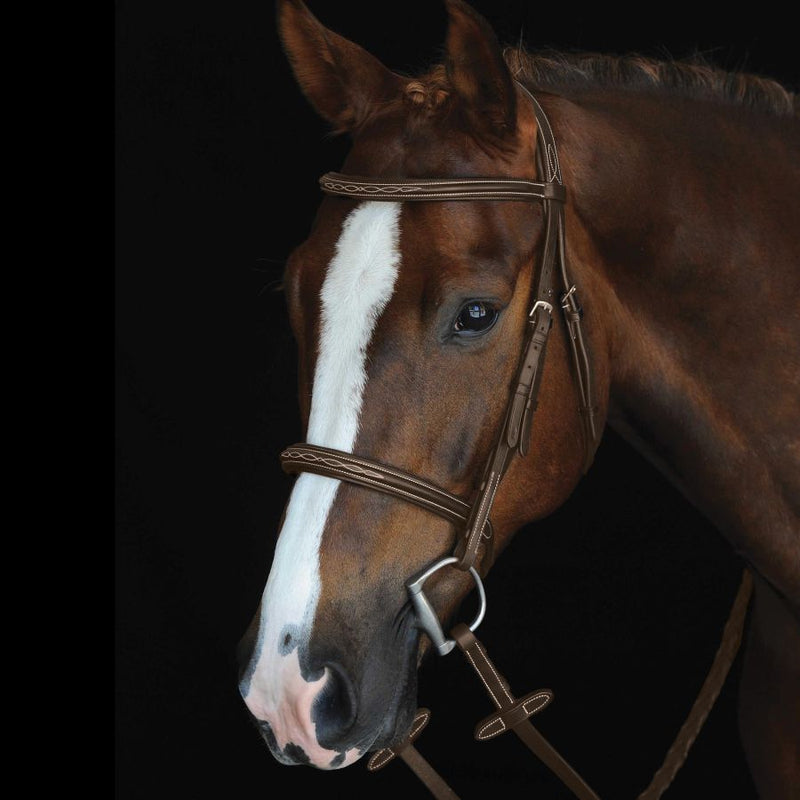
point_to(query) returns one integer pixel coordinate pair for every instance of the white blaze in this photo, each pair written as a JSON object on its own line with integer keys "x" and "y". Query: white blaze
{"x": 358, "y": 284}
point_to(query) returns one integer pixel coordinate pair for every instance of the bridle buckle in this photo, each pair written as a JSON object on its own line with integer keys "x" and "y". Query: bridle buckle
{"x": 427, "y": 620}
{"x": 541, "y": 304}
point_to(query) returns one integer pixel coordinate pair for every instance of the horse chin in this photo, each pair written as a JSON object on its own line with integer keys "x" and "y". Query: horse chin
{"x": 293, "y": 755}
{"x": 401, "y": 707}
{"x": 389, "y": 722}
{"x": 289, "y": 756}
{"x": 397, "y": 724}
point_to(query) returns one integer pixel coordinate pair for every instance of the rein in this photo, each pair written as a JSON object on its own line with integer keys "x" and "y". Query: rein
{"x": 472, "y": 517}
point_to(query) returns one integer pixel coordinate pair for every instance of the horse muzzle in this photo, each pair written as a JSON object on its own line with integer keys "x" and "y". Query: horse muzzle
{"x": 328, "y": 716}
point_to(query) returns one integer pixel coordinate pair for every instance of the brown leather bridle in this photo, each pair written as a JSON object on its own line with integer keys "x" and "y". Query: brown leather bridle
{"x": 514, "y": 435}
{"x": 472, "y": 516}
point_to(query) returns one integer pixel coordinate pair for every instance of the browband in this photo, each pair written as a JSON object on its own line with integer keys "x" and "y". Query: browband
{"x": 428, "y": 189}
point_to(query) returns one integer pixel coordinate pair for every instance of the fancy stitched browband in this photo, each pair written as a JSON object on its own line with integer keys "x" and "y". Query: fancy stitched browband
{"x": 440, "y": 188}
{"x": 514, "y": 436}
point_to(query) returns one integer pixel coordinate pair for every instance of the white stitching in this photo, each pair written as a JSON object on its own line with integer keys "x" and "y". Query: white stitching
{"x": 489, "y": 725}
{"x": 388, "y": 470}
{"x": 486, "y": 496}
{"x": 465, "y": 195}
{"x": 382, "y": 756}
{"x": 387, "y": 754}
{"x": 542, "y": 696}
{"x": 394, "y": 490}
{"x": 331, "y": 462}
{"x": 488, "y": 688}
{"x": 355, "y": 463}
{"x": 494, "y": 671}
{"x": 421, "y": 722}
{"x": 334, "y": 183}
{"x": 423, "y": 183}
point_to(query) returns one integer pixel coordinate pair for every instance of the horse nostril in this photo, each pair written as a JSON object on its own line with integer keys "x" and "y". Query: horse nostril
{"x": 335, "y": 708}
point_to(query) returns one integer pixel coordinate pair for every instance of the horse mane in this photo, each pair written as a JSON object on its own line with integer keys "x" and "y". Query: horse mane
{"x": 695, "y": 78}
{"x": 560, "y": 71}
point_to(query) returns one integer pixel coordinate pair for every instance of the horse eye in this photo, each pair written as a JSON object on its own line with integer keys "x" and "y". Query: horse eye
{"x": 475, "y": 317}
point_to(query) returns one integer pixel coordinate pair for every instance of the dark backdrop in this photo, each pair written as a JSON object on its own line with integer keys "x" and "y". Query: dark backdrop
{"x": 626, "y": 587}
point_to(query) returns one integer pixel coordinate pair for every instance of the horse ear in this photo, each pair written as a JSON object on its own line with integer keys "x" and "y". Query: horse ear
{"x": 341, "y": 80}
{"x": 477, "y": 70}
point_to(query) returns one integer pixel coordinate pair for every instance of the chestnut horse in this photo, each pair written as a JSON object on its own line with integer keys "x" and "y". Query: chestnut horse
{"x": 683, "y": 238}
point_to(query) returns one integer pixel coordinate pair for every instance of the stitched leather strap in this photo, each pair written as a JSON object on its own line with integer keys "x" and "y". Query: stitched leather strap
{"x": 516, "y": 430}
{"x": 534, "y": 702}
{"x": 514, "y": 712}
{"x": 428, "y": 189}
{"x": 573, "y": 315}
{"x": 380, "y": 477}
{"x": 413, "y": 758}
{"x": 549, "y": 165}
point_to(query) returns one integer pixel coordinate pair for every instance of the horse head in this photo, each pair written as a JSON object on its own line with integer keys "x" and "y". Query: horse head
{"x": 410, "y": 319}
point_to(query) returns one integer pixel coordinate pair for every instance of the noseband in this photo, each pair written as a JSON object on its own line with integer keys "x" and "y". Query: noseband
{"x": 472, "y": 516}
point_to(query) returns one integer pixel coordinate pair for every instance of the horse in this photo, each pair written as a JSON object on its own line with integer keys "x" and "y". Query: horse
{"x": 679, "y": 226}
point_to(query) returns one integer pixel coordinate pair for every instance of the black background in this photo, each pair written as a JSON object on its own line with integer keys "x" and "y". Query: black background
{"x": 624, "y": 590}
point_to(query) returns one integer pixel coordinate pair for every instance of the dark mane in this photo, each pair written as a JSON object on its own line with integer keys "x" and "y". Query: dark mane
{"x": 695, "y": 78}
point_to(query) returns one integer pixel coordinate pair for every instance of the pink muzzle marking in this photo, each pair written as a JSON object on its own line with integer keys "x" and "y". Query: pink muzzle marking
{"x": 281, "y": 697}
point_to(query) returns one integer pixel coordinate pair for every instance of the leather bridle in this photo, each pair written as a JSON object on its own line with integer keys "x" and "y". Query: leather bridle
{"x": 514, "y": 435}
{"x": 472, "y": 516}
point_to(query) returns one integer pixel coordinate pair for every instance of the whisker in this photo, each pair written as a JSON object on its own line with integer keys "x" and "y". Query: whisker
{"x": 275, "y": 286}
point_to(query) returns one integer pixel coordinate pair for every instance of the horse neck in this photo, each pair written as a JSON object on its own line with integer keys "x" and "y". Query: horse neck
{"x": 683, "y": 235}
